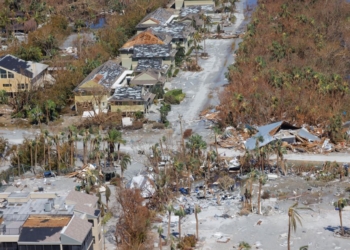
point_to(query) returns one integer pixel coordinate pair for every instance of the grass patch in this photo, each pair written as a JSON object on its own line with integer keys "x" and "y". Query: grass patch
{"x": 106, "y": 218}
{"x": 176, "y": 72}
{"x": 174, "y": 96}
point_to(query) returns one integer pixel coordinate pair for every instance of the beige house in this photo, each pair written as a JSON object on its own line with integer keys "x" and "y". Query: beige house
{"x": 19, "y": 75}
{"x": 86, "y": 206}
{"x": 93, "y": 92}
{"x": 148, "y": 79}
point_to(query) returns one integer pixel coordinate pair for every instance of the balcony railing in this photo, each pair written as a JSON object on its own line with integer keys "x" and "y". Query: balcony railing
{"x": 10, "y": 231}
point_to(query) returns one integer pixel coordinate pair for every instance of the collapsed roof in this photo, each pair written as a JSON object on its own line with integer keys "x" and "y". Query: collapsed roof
{"x": 153, "y": 51}
{"x": 278, "y": 131}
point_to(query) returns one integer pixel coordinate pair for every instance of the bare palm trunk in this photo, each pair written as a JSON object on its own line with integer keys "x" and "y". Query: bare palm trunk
{"x": 18, "y": 164}
{"x": 180, "y": 229}
{"x": 289, "y": 231}
{"x": 44, "y": 154}
{"x": 58, "y": 158}
{"x": 197, "y": 235}
{"x": 31, "y": 155}
{"x": 160, "y": 242}
{"x": 169, "y": 221}
{"x": 259, "y": 198}
{"x": 84, "y": 153}
{"x": 49, "y": 157}
{"x": 36, "y": 154}
{"x": 341, "y": 222}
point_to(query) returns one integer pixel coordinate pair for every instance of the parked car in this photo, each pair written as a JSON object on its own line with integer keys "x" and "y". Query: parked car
{"x": 48, "y": 174}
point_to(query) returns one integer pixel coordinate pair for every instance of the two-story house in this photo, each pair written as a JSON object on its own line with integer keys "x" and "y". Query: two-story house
{"x": 92, "y": 93}
{"x": 160, "y": 16}
{"x": 18, "y": 75}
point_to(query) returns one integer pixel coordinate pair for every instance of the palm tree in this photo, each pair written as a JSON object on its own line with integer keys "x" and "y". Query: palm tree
{"x": 196, "y": 144}
{"x": 340, "y": 204}
{"x": 294, "y": 217}
{"x": 197, "y": 38}
{"x": 170, "y": 209}
{"x": 178, "y": 167}
{"x": 112, "y": 138}
{"x": 197, "y": 210}
{"x": 216, "y": 131}
{"x": 124, "y": 162}
{"x": 262, "y": 181}
{"x": 85, "y": 133}
{"x": 108, "y": 194}
{"x": 57, "y": 140}
{"x": 72, "y": 136}
{"x": 160, "y": 231}
{"x": 280, "y": 151}
{"x": 207, "y": 22}
{"x": 252, "y": 177}
{"x": 181, "y": 213}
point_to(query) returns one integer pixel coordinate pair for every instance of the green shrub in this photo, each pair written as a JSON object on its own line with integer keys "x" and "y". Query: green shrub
{"x": 176, "y": 72}
{"x": 174, "y": 96}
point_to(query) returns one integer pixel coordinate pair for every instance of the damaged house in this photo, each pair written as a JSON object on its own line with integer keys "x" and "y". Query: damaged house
{"x": 279, "y": 131}
{"x": 130, "y": 100}
{"x": 160, "y": 16}
{"x": 93, "y": 92}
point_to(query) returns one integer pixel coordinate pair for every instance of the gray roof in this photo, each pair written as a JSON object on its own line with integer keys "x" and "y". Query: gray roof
{"x": 77, "y": 229}
{"x": 146, "y": 64}
{"x": 175, "y": 30}
{"x": 82, "y": 198}
{"x": 268, "y": 133}
{"x": 160, "y": 15}
{"x": 153, "y": 51}
{"x": 126, "y": 93}
{"x": 105, "y": 75}
{"x": 27, "y": 68}
{"x": 195, "y": 9}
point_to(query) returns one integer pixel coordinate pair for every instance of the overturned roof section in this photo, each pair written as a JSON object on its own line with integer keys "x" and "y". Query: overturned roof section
{"x": 105, "y": 75}
{"x": 153, "y": 51}
{"x": 158, "y": 17}
{"x": 19, "y": 66}
{"x": 175, "y": 30}
{"x": 145, "y": 37}
{"x": 144, "y": 183}
{"x": 268, "y": 133}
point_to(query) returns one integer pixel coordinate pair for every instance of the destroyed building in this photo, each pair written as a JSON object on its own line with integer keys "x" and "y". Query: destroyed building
{"x": 279, "y": 131}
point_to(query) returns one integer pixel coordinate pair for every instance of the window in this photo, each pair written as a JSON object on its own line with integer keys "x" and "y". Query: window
{"x": 7, "y": 85}
{"x": 92, "y": 222}
{"x": 10, "y": 75}
{"x": 3, "y": 73}
{"x": 98, "y": 220}
{"x": 99, "y": 236}
{"x": 93, "y": 240}
{"x": 26, "y": 85}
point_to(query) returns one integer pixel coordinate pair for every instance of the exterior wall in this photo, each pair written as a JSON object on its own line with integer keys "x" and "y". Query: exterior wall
{"x": 127, "y": 108}
{"x": 200, "y": 2}
{"x": 9, "y": 238}
{"x": 179, "y": 4}
{"x": 96, "y": 232}
{"x": 93, "y": 99}
{"x": 16, "y": 199}
{"x": 126, "y": 59}
{"x": 18, "y": 79}
{"x": 4, "y": 195}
